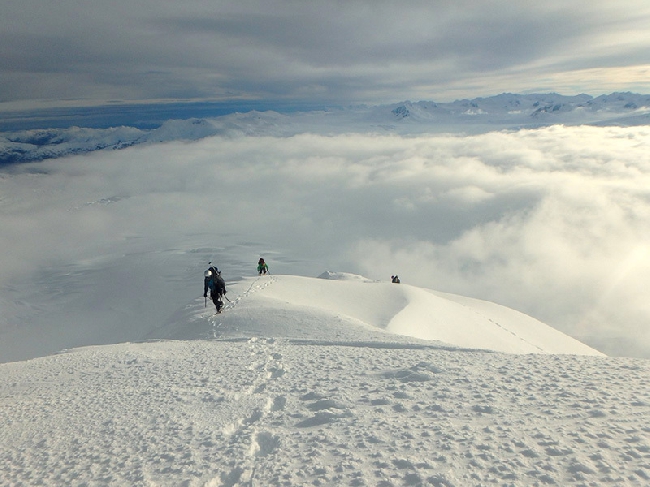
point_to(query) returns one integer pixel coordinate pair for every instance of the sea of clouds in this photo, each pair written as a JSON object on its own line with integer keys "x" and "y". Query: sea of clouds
{"x": 554, "y": 222}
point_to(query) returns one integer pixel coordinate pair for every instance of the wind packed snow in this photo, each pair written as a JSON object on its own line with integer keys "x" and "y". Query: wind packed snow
{"x": 306, "y": 381}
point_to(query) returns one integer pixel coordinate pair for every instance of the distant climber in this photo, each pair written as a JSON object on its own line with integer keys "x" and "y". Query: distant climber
{"x": 262, "y": 268}
{"x": 394, "y": 279}
{"x": 213, "y": 282}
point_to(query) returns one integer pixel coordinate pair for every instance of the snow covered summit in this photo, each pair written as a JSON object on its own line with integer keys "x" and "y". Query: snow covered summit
{"x": 345, "y": 306}
{"x": 300, "y": 382}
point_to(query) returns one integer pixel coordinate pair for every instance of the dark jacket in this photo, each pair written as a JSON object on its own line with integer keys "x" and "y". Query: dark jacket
{"x": 215, "y": 284}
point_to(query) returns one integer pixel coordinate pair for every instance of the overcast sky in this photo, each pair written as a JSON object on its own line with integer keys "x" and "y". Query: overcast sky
{"x": 372, "y": 51}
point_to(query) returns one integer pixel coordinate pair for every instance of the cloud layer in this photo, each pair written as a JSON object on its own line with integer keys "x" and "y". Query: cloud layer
{"x": 362, "y": 51}
{"x": 553, "y": 222}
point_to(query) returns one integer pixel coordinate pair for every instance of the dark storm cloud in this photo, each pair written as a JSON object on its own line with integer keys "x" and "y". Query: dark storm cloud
{"x": 346, "y": 51}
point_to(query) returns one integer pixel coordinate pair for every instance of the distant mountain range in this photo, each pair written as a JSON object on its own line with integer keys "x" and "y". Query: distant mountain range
{"x": 547, "y": 108}
{"x": 505, "y": 111}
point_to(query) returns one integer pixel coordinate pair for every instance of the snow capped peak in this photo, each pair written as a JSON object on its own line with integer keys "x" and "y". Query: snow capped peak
{"x": 504, "y": 111}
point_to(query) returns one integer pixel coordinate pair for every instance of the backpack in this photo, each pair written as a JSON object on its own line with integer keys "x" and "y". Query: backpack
{"x": 211, "y": 278}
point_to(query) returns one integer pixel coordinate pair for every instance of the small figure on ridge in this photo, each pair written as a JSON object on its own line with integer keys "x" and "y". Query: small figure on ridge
{"x": 262, "y": 268}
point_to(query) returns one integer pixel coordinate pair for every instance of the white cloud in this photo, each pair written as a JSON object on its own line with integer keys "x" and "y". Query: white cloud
{"x": 553, "y": 222}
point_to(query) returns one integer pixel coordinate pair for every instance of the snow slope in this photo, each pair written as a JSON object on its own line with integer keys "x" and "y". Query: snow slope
{"x": 285, "y": 302}
{"x": 305, "y": 381}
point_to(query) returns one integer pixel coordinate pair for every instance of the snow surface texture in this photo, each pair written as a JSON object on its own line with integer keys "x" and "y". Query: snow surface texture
{"x": 307, "y": 382}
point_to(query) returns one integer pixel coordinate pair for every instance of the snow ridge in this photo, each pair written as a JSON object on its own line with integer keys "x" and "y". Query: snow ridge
{"x": 342, "y": 302}
{"x": 297, "y": 383}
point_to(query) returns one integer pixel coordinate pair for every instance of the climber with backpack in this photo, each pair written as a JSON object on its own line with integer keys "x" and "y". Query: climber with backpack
{"x": 262, "y": 268}
{"x": 213, "y": 282}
